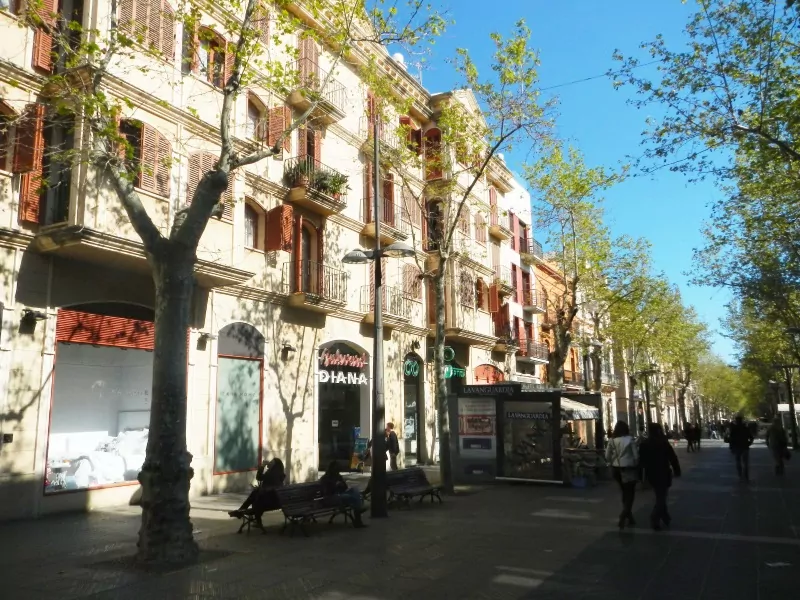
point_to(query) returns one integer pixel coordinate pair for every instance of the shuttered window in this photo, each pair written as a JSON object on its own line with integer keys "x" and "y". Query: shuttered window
{"x": 481, "y": 295}
{"x": 6, "y": 119}
{"x": 466, "y": 289}
{"x": 412, "y": 283}
{"x": 257, "y": 119}
{"x": 201, "y": 163}
{"x": 207, "y": 54}
{"x": 252, "y": 218}
{"x": 412, "y": 210}
{"x": 279, "y": 120}
{"x": 43, "y": 35}
{"x": 278, "y": 229}
{"x": 28, "y": 155}
{"x": 480, "y": 228}
{"x": 261, "y": 23}
{"x": 151, "y": 23}
{"x": 101, "y": 330}
{"x": 150, "y": 157}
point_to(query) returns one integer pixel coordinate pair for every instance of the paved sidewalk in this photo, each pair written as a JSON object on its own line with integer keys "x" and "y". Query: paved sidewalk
{"x": 729, "y": 540}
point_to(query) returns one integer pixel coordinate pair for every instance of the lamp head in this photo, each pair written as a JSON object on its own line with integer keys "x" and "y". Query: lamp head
{"x": 358, "y": 257}
{"x": 398, "y": 250}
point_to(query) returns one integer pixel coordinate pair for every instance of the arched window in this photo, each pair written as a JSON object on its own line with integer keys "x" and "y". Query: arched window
{"x": 149, "y": 155}
{"x": 150, "y": 22}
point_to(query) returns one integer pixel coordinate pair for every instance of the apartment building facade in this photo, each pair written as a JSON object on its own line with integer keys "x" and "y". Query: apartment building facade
{"x": 280, "y": 344}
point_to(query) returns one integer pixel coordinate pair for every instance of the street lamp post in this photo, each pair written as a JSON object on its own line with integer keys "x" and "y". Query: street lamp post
{"x": 397, "y": 250}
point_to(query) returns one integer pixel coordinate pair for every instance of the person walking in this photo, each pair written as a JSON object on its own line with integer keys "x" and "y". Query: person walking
{"x": 622, "y": 454}
{"x": 688, "y": 432}
{"x": 740, "y": 440}
{"x": 778, "y": 444}
{"x": 392, "y": 445}
{"x": 660, "y": 463}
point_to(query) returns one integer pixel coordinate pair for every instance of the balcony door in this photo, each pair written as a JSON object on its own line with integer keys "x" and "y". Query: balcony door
{"x": 305, "y": 259}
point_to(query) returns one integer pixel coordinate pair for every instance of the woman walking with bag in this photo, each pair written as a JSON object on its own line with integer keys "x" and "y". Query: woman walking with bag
{"x": 660, "y": 463}
{"x": 622, "y": 454}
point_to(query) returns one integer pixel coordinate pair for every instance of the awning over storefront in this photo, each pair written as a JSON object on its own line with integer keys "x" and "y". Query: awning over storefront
{"x": 577, "y": 411}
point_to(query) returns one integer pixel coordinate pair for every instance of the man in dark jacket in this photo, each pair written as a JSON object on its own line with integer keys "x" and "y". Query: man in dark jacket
{"x": 392, "y": 445}
{"x": 740, "y": 440}
{"x": 659, "y": 461}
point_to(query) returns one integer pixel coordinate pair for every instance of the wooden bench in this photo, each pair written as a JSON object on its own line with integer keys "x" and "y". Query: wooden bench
{"x": 405, "y": 484}
{"x": 302, "y": 503}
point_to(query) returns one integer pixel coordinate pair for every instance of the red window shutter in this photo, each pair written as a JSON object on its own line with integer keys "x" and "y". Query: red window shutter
{"x": 153, "y": 23}
{"x": 433, "y": 155}
{"x": 149, "y": 154}
{"x": 492, "y": 197}
{"x": 302, "y": 141}
{"x": 163, "y": 166}
{"x": 321, "y": 244}
{"x": 520, "y": 289}
{"x": 29, "y": 144}
{"x": 372, "y": 285}
{"x": 317, "y": 146}
{"x": 230, "y": 59}
{"x": 101, "y": 330}
{"x": 300, "y": 261}
{"x": 494, "y": 299}
{"x": 278, "y": 230}
{"x": 43, "y": 37}
{"x": 261, "y": 23}
{"x": 388, "y": 199}
{"x": 127, "y": 10}
{"x": 520, "y": 327}
{"x": 141, "y": 10}
{"x": 515, "y": 245}
{"x": 195, "y": 173}
{"x": 277, "y": 125}
{"x": 287, "y": 120}
{"x": 368, "y": 192}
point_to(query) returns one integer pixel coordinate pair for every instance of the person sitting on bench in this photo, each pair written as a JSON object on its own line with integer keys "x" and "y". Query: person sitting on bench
{"x": 334, "y": 486}
{"x": 263, "y": 497}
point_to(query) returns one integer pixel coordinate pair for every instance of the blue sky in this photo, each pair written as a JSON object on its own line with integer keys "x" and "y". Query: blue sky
{"x": 576, "y": 40}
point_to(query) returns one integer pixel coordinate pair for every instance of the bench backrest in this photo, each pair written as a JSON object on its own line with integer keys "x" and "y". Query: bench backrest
{"x": 299, "y": 493}
{"x": 410, "y": 476}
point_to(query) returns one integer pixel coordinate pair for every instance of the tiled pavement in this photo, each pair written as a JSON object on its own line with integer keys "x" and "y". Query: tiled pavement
{"x": 728, "y": 541}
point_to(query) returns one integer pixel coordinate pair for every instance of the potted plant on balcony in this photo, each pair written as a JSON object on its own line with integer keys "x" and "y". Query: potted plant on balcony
{"x": 330, "y": 183}
{"x": 299, "y": 173}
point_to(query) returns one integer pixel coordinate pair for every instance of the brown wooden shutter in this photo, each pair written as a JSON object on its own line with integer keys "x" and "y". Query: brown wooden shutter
{"x": 515, "y": 233}
{"x": 368, "y": 192}
{"x": 520, "y": 289}
{"x": 261, "y": 23}
{"x": 28, "y": 154}
{"x": 302, "y": 141}
{"x": 494, "y": 299}
{"x": 322, "y": 283}
{"x": 287, "y": 120}
{"x": 520, "y": 331}
{"x": 195, "y": 173}
{"x": 127, "y": 10}
{"x": 277, "y": 125}
{"x": 300, "y": 261}
{"x": 163, "y": 166}
{"x": 317, "y": 146}
{"x": 388, "y": 200}
{"x": 149, "y": 154}
{"x": 492, "y": 197}
{"x": 167, "y": 31}
{"x": 278, "y": 229}
{"x": 43, "y": 36}
{"x": 230, "y": 59}
{"x": 153, "y": 23}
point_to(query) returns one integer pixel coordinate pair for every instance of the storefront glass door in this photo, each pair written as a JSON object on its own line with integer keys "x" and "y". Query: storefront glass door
{"x": 238, "y": 415}
{"x": 528, "y": 440}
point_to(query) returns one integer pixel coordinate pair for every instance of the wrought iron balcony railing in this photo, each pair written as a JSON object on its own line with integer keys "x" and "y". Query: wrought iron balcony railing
{"x": 306, "y": 171}
{"x": 318, "y": 85}
{"x": 316, "y": 279}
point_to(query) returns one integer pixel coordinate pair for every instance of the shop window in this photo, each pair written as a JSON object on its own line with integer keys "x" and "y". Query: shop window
{"x": 237, "y": 438}
{"x": 100, "y": 413}
{"x": 150, "y": 23}
{"x": 206, "y": 54}
{"x": 6, "y": 124}
{"x": 253, "y": 226}
{"x": 149, "y": 155}
{"x": 201, "y": 163}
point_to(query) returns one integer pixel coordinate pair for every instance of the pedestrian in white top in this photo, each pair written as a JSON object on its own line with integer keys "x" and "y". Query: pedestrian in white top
{"x": 622, "y": 454}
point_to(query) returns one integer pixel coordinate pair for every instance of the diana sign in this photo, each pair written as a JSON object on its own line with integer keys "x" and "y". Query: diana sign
{"x": 342, "y": 377}
{"x": 337, "y": 359}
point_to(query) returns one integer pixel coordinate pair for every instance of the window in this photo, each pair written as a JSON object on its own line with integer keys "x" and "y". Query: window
{"x": 52, "y": 35}
{"x": 412, "y": 211}
{"x": 480, "y": 228}
{"x": 257, "y": 122}
{"x": 149, "y": 155}
{"x": 150, "y": 23}
{"x": 433, "y": 154}
{"x": 206, "y": 54}
{"x": 463, "y": 222}
{"x": 412, "y": 283}
{"x": 413, "y": 135}
{"x": 251, "y": 227}
{"x": 466, "y": 290}
{"x": 201, "y": 163}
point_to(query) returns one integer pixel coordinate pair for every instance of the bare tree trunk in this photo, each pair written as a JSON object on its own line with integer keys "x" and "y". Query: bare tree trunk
{"x": 555, "y": 363}
{"x": 165, "y": 536}
{"x": 681, "y": 408}
{"x": 445, "y": 466}
{"x": 597, "y": 370}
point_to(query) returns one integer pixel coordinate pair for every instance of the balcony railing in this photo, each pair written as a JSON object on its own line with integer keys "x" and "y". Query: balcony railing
{"x": 502, "y": 276}
{"x": 387, "y": 135}
{"x": 533, "y": 350}
{"x": 573, "y": 377}
{"x": 307, "y": 172}
{"x": 317, "y": 85}
{"x": 535, "y": 300}
{"x": 315, "y": 279}
{"x": 498, "y": 226}
{"x": 533, "y": 248}
{"x": 394, "y": 301}
{"x": 608, "y": 378}
{"x": 390, "y": 215}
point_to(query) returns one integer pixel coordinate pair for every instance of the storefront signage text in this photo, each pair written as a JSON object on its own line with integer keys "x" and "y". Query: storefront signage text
{"x": 488, "y": 390}
{"x": 341, "y": 377}
{"x": 342, "y": 360}
{"x": 451, "y": 371}
{"x": 534, "y": 416}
